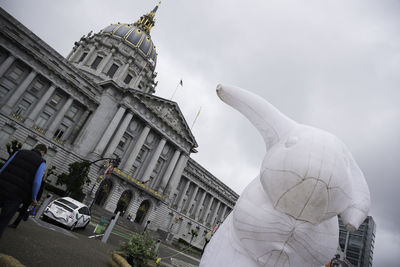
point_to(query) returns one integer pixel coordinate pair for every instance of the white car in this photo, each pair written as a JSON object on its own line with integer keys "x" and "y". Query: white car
{"x": 69, "y": 212}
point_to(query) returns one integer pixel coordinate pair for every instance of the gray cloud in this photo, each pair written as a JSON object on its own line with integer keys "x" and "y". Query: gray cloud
{"x": 330, "y": 64}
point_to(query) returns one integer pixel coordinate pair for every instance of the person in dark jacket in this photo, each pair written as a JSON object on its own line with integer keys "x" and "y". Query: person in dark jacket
{"x": 20, "y": 180}
{"x": 23, "y": 212}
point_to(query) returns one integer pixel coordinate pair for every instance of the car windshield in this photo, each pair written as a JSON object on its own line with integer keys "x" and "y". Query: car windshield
{"x": 66, "y": 202}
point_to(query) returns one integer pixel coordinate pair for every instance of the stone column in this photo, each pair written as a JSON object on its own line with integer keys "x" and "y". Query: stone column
{"x": 215, "y": 212}
{"x": 38, "y": 107}
{"x": 182, "y": 196}
{"x": 133, "y": 155}
{"x": 116, "y": 190}
{"x": 104, "y": 63}
{"x": 222, "y": 218}
{"x": 89, "y": 55}
{"x": 153, "y": 161}
{"x": 74, "y": 53}
{"x": 120, "y": 73}
{"x": 6, "y": 64}
{"x": 207, "y": 209}
{"x": 97, "y": 124}
{"x": 190, "y": 201}
{"x": 79, "y": 125}
{"x": 118, "y": 135}
{"x": 199, "y": 203}
{"x": 139, "y": 76}
{"x": 226, "y": 213}
{"x": 168, "y": 172}
{"x": 60, "y": 115}
{"x": 7, "y": 108}
{"x": 173, "y": 181}
{"x": 101, "y": 145}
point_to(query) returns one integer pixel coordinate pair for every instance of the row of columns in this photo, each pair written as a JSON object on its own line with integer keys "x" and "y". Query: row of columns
{"x": 113, "y": 134}
{"x": 198, "y": 213}
{"x": 121, "y": 72}
{"x": 33, "y": 114}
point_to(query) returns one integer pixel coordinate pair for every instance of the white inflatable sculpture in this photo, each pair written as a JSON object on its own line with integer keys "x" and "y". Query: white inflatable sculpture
{"x": 287, "y": 216}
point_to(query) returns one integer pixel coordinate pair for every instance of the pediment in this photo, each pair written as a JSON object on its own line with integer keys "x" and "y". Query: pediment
{"x": 170, "y": 113}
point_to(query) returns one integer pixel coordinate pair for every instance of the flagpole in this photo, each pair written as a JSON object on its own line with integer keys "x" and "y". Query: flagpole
{"x": 195, "y": 119}
{"x": 174, "y": 92}
{"x": 176, "y": 89}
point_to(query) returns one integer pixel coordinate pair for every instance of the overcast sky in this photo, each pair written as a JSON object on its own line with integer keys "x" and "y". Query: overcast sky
{"x": 334, "y": 65}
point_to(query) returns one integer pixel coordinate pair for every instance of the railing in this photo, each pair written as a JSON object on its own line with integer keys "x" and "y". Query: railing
{"x": 18, "y": 117}
{"x": 139, "y": 184}
{"x": 38, "y": 129}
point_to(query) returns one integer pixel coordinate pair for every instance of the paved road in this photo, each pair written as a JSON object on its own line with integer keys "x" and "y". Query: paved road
{"x": 37, "y": 243}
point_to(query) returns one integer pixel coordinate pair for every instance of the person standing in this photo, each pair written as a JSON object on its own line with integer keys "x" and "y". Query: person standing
{"x": 23, "y": 212}
{"x": 20, "y": 180}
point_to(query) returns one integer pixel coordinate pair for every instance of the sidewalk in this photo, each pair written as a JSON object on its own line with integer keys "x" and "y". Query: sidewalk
{"x": 36, "y": 243}
{"x": 36, "y": 246}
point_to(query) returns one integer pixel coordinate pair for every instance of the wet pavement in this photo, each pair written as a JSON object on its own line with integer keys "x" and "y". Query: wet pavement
{"x": 38, "y": 243}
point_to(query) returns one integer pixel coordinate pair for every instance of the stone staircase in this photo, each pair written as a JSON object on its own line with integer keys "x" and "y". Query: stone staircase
{"x": 122, "y": 226}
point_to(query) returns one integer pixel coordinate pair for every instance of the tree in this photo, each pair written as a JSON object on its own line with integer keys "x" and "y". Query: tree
{"x": 76, "y": 177}
{"x": 13, "y": 147}
{"x": 50, "y": 171}
{"x": 139, "y": 249}
{"x": 193, "y": 234}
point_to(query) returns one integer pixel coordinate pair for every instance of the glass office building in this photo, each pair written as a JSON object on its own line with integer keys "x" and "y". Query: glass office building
{"x": 358, "y": 246}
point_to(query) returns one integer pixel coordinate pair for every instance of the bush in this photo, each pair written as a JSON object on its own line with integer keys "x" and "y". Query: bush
{"x": 76, "y": 177}
{"x": 139, "y": 249}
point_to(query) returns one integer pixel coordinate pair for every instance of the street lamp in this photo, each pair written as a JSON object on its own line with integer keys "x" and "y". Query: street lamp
{"x": 114, "y": 162}
{"x": 145, "y": 227}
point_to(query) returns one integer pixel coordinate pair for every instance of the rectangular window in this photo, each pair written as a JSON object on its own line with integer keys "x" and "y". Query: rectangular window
{"x": 159, "y": 165}
{"x": 5, "y": 134}
{"x": 55, "y": 99}
{"x": 71, "y": 113}
{"x": 122, "y": 142}
{"x": 3, "y": 91}
{"x": 82, "y": 57}
{"x": 96, "y": 62}
{"x": 60, "y": 131}
{"x": 44, "y": 117}
{"x": 12, "y": 78}
{"x": 30, "y": 142}
{"x": 141, "y": 155}
{"x": 16, "y": 73}
{"x": 133, "y": 170}
{"x": 113, "y": 69}
{"x": 41, "y": 121}
{"x": 37, "y": 86}
{"x": 128, "y": 79}
{"x": 22, "y": 107}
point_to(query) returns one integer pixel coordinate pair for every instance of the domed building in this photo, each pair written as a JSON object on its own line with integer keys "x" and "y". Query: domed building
{"x": 124, "y": 53}
{"x": 99, "y": 103}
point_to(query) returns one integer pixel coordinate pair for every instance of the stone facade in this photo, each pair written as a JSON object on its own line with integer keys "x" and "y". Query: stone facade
{"x": 99, "y": 103}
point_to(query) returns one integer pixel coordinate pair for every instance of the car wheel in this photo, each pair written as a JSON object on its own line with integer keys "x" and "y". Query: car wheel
{"x": 45, "y": 218}
{"x": 73, "y": 226}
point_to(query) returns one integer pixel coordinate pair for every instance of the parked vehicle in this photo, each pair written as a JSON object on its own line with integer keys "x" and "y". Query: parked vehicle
{"x": 69, "y": 212}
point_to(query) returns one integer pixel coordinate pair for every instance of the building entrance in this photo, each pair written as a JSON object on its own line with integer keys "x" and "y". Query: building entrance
{"x": 103, "y": 192}
{"x": 142, "y": 212}
{"x": 123, "y": 202}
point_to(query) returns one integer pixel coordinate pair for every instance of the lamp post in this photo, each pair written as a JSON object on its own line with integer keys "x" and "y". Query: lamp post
{"x": 113, "y": 163}
{"x": 145, "y": 227}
